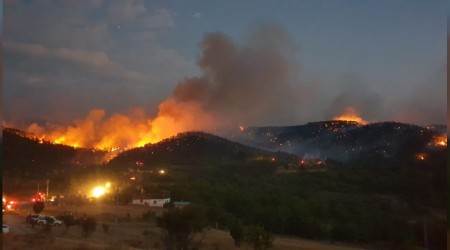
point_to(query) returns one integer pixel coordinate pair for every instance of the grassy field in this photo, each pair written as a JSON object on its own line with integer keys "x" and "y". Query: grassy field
{"x": 130, "y": 233}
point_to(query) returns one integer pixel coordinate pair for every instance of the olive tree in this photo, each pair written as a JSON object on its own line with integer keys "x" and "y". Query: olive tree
{"x": 258, "y": 238}
{"x": 181, "y": 226}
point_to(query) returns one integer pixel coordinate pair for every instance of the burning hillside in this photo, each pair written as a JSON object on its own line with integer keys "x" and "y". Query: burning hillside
{"x": 344, "y": 140}
{"x": 264, "y": 68}
{"x": 24, "y": 155}
{"x": 255, "y": 82}
{"x": 439, "y": 141}
{"x": 119, "y": 131}
{"x": 350, "y": 114}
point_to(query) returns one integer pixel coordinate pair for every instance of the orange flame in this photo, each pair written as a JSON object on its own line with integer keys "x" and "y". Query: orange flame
{"x": 440, "y": 141}
{"x": 350, "y": 114}
{"x": 120, "y": 131}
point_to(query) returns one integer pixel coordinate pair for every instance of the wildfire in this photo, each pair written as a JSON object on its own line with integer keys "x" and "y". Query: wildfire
{"x": 350, "y": 114}
{"x": 119, "y": 132}
{"x": 440, "y": 141}
{"x": 421, "y": 156}
{"x": 100, "y": 190}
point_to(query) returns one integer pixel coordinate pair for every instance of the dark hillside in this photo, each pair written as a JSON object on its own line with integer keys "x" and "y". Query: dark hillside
{"x": 194, "y": 149}
{"x": 343, "y": 141}
{"x": 34, "y": 159}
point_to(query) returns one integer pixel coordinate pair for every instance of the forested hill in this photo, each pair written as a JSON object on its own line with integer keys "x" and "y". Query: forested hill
{"x": 379, "y": 143}
{"x": 197, "y": 148}
{"x": 32, "y": 158}
{"x": 342, "y": 140}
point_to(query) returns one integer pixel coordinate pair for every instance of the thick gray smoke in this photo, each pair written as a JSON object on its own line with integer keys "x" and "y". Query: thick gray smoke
{"x": 254, "y": 83}
{"x": 354, "y": 93}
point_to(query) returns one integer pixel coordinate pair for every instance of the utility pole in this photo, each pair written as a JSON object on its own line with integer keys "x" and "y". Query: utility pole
{"x": 117, "y": 205}
{"x": 117, "y": 202}
{"x": 46, "y": 195}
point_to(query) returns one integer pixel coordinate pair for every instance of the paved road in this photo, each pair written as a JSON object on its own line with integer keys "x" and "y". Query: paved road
{"x": 17, "y": 224}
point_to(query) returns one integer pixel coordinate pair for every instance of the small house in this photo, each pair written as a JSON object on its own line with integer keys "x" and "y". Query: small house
{"x": 154, "y": 199}
{"x": 141, "y": 200}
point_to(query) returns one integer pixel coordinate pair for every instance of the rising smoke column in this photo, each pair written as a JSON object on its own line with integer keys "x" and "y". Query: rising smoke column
{"x": 255, "y": 82}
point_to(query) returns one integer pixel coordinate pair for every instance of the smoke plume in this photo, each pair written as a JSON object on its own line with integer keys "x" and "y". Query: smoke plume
{"x": 355, "y": 95}
{"x": 254, "y": 83}
{"x": 251, "y": 83}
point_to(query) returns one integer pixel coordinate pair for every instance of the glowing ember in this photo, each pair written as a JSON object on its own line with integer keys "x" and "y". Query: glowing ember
{"x": 421, "y": 156}
{"x": 350, "y": 115}
{"x": 241, "y": 128}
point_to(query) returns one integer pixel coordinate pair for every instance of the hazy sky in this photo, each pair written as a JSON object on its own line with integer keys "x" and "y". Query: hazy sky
{"x": 387, "y": 59}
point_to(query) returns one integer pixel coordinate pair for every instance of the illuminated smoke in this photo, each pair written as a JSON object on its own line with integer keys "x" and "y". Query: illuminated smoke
{"x": 121, "y": 131}
{"x": 356, "y": 98}
{"x": 251, "y": 83}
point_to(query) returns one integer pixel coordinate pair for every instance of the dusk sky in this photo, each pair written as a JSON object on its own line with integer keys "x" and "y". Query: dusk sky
{"x": 294, "y": 61}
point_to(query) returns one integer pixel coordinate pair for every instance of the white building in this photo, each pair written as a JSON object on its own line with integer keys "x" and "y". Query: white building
{"x": 157, "y": 199}
{"x": 141, "y": 200}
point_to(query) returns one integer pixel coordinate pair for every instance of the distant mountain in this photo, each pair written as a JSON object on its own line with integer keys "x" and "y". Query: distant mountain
{"x": 342, "y": 140}
{"x": 196, "y": 148}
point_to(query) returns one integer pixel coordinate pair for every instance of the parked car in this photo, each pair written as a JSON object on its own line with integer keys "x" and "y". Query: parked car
{"x": 49, "y": 220}
{"x": 5, "y": 229}
{"x": 33, "y": 218}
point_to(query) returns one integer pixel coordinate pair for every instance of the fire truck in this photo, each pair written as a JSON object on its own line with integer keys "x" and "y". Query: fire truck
{"x": 8, "y": 204}
{"x": 38, "y": 197}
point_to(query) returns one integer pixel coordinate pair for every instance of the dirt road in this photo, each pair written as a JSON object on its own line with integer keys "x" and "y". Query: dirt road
{"x": 17, "y": 224}
{"x": 129, "y": 233}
